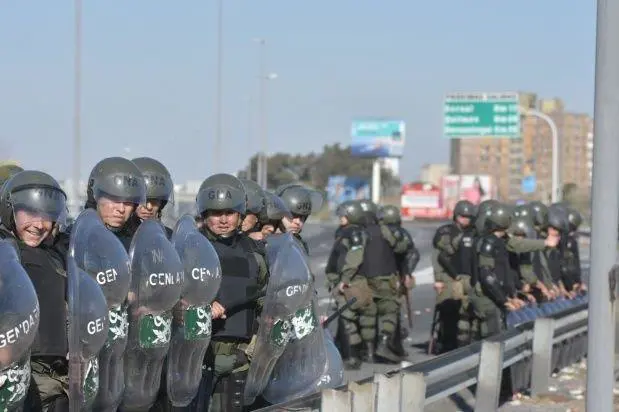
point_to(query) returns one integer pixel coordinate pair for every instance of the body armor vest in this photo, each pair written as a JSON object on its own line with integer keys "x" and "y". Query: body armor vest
{"x": 378, "y": 259}
{"x": 239, "y": 281}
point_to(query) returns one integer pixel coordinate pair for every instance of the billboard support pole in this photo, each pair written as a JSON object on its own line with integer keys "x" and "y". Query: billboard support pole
{"x": 555, "y": 190}
{"x": 376, "y": 181}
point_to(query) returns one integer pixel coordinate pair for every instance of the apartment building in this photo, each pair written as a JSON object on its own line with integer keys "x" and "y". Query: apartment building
{"x": 529, "y": 158}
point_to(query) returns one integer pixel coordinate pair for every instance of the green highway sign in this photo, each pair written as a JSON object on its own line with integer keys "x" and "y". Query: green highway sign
{"x": 475, "y": 115}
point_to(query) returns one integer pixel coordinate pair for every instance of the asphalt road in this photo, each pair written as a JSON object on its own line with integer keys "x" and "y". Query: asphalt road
{"x": 319, "y": 237}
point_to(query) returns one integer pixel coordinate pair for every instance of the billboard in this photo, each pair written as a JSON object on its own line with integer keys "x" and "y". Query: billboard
{"x": 474, "y": 188}
{"x": 377, "y": 138}
{"x": 342, "y": 188}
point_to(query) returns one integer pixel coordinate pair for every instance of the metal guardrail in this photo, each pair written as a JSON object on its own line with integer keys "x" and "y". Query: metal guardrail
{"x": 537, "y": 348}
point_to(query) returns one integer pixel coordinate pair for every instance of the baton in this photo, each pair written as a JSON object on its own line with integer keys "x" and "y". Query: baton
{"x": 338, "y": 312}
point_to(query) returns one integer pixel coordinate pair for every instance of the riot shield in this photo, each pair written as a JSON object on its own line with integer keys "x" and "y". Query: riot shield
{"x": 191, "y": 329}
{"x": 156, "y": 285}
{"x": 19, "y": 322}
{"x": 289, "y": 291}
{"x": 88, "y": 329}
{"x": 101, "y": 254}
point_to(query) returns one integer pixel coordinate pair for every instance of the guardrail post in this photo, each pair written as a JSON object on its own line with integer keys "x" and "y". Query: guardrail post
{"x": 489, "y": 377}
{"x": 543, "y": 333}
{"x": 363, "y": 396}
{"x": 389, "y": 392}
{"x": 413, "y": 392}
{"x": 334, "y": 400}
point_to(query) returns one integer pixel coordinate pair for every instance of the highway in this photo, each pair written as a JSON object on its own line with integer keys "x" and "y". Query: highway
{"x": 319, "y": 237}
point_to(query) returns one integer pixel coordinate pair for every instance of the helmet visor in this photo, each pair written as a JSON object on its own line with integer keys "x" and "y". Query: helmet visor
{"x": 46, "y": 203}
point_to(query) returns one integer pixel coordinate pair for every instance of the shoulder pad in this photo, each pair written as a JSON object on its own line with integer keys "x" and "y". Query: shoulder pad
{"x": 444, "y": 230}
{"x": 357, "y": 238}
{"x": 488, "y": 246}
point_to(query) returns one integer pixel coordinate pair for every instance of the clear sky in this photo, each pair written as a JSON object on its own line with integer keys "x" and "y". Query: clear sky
{"x": 149, "y": 73}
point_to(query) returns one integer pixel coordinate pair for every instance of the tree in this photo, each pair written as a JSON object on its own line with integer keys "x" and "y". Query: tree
{"x": 314, "y": 169}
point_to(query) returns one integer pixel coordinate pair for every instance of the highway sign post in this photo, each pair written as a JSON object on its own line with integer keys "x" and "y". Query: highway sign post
{"x": 475, "y": 115}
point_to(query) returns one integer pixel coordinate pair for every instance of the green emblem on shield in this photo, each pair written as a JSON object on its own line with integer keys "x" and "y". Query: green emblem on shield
{"x": 14, "y": 384}
{"x": 155, "y": 330}
{"x": 198, "y": 322}
{"x": 280, "y": 332}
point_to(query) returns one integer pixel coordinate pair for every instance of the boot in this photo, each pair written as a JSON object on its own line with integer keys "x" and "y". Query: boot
{"x": 385, "y": 351}
{"x": 353, "y": 360}
{"x": 396, "y": 342}
{"x": 369, "y": 352}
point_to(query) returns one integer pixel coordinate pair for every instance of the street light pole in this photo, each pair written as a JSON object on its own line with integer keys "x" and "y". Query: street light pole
{"x": 555, "y": 195}
{"x": 249, "y": 135}
{"x": 605, "y": 203}
{"x": 77, "y": 107}
{"x": 261, "y": 176}
{"x": 218, "y": 104}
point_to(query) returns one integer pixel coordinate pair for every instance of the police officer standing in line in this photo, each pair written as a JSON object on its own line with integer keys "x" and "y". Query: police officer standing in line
{"x": 375, "y": 259}
{"x": 31, "y": 204}
{"x": 255, "y": 204}
{"x": 221, "y": 202}
{"x": 453, "y": 268}
{"x": 159, "y": 191}
{"x": 407, "y": 262}
{"x": 571, "y": 253}
{"x": 298, "y": 200}
{"x": 115, "y": 189}
{"x": 270, "y": 217}
{"x": 346, "y": 281}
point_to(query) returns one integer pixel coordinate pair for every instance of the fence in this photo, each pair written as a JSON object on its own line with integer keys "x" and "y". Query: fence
{"x": 532, "y": 351}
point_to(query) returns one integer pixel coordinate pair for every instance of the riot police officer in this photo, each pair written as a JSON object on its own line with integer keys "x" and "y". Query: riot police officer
{"x": 31, "y": 204}
{"x": 301, "y": 201}
{"x": 491, "y": 295}
{"x": 375, "y": 260}
{"x": 222, "y": 204}
{"x": 407, "y": 262}
{"x": 159, "y": 190}
{"x": 115, "y": 189}
{"x": 454, "y": 259}
{"x": 270, "y": 217}
{"x": 358, "y": 323}
{"x": 571, "y": 253}
{"x": 255, "y": 204}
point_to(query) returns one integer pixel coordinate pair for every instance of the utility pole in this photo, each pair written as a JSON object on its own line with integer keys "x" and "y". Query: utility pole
{"x": 77, "y": 108}
{"x": 605, "y": 204}
{"x": 219, "y": 86}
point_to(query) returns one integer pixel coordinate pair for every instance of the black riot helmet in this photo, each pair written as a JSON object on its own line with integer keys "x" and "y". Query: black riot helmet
{"x": 157, "y": 178}
{"x": 539, "y": 212}
{"x": 574, "y": 218}
{"x": 498, "y": 217}
{"x": 558, "y": 218}
{"x": 522, "y": 226}
{"x": 370, "y": 208}
{"x": 464, "y": 208}
{"x": 390, "y": 215}
{"x": 222, "y": 191}
{"x": 117, "y": 179}
{"x": 301, "y": 201}
{"x": 483, "y": 211}
{"x": 353, "y": 211}
{"x": 255, "y": 196}
{"x": 523, "y": 211}
{"x": 273, "y": 211}
{"x": 34, "y": 192}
